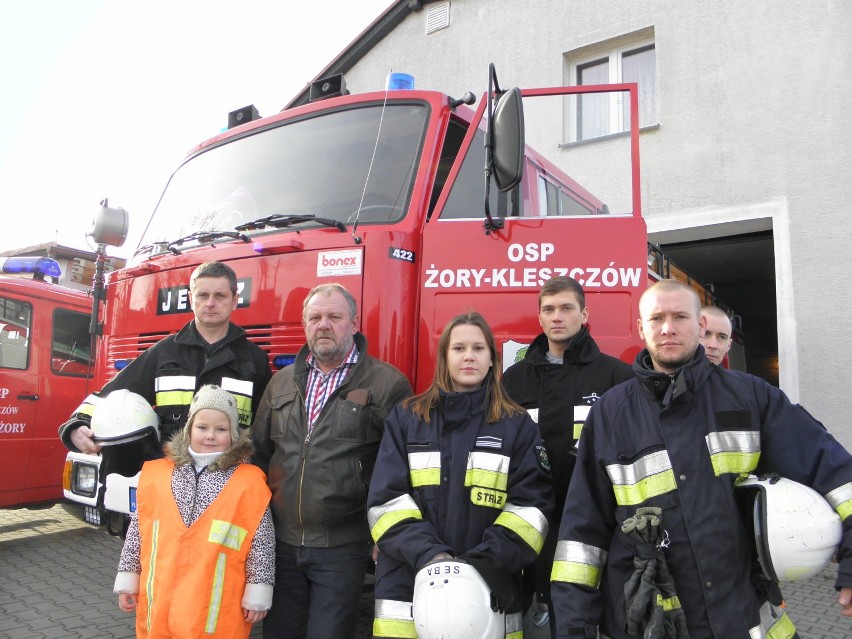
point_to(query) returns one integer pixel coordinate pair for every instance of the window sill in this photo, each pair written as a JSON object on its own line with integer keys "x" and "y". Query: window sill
{"x": 611, "y": 136}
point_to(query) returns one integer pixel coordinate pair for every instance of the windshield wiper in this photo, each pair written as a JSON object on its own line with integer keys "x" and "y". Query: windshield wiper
{"x": 279, "y": 220}
{"x": 149, "y": 248}
{"x": 205, "y": 236}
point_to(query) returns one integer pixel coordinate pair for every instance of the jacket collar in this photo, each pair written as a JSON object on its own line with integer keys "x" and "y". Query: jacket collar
{"x": 581, "y": 349}
{"x": 189, "y": 335}
{"x": 457, "y": 408}
{"x": 666, "y": 387}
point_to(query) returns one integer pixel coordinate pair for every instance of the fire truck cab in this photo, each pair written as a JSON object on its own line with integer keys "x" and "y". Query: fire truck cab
{"x": 420, "y": 205}
{"x": 45, "y": 367}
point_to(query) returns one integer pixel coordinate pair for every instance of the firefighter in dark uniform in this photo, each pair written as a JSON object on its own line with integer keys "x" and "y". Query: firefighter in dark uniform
{"x": 210, "y": 349}
{"x": 460, "y": 473}
{"x": 561, "y": 375}
{"x": 677, "y": 438}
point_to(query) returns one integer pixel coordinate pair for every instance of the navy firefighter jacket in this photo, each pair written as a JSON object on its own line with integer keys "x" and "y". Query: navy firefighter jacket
{"x": 459, "y": 485}
{"x": 680, "y": 442}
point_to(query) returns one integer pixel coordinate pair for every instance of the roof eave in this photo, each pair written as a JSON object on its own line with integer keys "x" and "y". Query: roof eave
{"x": 361, "y": 45}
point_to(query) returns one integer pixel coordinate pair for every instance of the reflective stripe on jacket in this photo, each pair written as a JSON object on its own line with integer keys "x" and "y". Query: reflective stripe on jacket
{"x": 169, "y": 372}
{"x": 193, "y": 579}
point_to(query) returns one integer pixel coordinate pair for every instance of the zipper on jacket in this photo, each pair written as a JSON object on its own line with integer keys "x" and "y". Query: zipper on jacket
{"x": 197, "y": 474}
{"x": 301, "y": 483}
{"x": 308, "y": 441}
{"x": 363, "y": 479}
{"x": 304, "y": 460}
{"x": 305, "y": 448}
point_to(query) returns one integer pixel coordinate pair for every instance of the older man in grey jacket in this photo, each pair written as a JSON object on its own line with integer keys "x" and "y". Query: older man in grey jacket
{"x": 317, "y": 434}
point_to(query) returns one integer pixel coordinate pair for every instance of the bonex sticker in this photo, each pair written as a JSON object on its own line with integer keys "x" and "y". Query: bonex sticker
{"x": 346, "y": 262}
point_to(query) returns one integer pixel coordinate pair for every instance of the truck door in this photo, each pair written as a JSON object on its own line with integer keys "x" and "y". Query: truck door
{"x": 64, "y": 382}
{"x": 19, "y": 392}
{"x": 500, "y": 274}
{"x": 552, "y": 226}
{"x": 44, "y": 369}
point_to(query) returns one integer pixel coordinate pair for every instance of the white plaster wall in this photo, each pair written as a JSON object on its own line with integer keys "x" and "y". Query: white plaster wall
{"x": 755, "y": 106}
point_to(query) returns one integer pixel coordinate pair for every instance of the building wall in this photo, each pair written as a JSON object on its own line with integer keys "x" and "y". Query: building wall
{"x": 754, "y": 103}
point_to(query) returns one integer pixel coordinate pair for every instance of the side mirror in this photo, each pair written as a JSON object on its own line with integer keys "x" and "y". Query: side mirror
{"x": 110, "y": 225}
{"x": 508, "y": 140}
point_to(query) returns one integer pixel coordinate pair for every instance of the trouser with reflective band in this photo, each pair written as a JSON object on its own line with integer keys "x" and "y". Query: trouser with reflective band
{"x": 193, "y": 579}
{"x": 774, "y": 624}
{"x": 393, "y": 620}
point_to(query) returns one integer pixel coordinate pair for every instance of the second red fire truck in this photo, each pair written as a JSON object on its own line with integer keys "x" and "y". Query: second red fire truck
{"x": 45, "y": 368}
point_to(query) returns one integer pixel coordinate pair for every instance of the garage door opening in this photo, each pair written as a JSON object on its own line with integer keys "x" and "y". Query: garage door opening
{"x": 740, "y": 270}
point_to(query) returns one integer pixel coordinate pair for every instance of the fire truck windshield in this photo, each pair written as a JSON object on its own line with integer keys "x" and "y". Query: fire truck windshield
{"x": 327, "y": 168}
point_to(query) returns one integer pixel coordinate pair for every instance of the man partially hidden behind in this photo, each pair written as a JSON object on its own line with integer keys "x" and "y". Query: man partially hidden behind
{"x": 561, "y": 376}
{"x": 716, "y": 339}
{"x": 317, "y": 435}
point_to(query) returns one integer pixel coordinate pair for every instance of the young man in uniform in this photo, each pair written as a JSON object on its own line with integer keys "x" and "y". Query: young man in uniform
{"x": 562, "y": 374}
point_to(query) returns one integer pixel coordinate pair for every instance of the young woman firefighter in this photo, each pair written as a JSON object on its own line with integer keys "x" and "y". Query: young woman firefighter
{"x": 459, "y": 498}
{"x": 199, "y": 555}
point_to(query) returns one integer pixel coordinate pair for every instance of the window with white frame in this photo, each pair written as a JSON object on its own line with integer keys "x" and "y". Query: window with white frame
{"x": 622, "y": 60}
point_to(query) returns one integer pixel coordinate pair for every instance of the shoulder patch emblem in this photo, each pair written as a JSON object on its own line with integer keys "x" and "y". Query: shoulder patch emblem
{"x": 543, "y": 459}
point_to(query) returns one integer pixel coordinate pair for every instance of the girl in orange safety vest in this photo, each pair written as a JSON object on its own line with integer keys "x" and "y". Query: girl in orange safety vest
{"x": 199, "y": 556}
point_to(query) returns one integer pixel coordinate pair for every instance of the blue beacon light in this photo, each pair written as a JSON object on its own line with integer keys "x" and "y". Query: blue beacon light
{"x": 400, "y": 82}
{"x": 40, "y": 266}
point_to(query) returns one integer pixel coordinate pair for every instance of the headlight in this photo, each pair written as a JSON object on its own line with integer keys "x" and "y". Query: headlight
{"x": 85, "y": 480}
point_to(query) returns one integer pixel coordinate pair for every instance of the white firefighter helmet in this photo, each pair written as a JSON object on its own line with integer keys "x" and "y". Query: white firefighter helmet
{"x": 123, "y": 417}
{"x": 796, "y": 531}
{"x": 451, "y": 599}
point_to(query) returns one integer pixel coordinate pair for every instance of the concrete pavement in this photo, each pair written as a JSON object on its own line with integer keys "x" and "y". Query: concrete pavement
{"x": 56, "y": 576}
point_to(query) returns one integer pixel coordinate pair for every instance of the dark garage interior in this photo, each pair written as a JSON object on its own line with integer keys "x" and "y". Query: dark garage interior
{"x": 740, "y": 271}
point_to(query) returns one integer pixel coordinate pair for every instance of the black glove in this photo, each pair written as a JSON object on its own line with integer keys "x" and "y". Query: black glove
{"x": 505, "y": 587}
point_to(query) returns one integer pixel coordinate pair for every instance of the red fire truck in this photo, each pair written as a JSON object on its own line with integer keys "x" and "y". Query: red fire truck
{"x": 45, "y": 368}
{"x": 420, "y": 205}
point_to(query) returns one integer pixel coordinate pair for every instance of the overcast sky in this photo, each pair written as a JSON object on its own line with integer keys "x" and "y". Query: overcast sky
{"x": 103, "y": 98}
